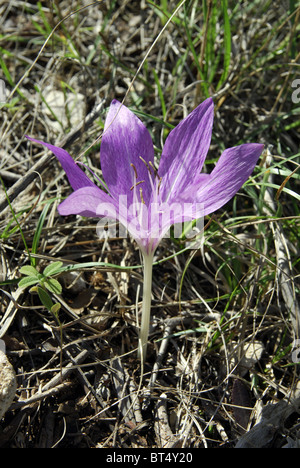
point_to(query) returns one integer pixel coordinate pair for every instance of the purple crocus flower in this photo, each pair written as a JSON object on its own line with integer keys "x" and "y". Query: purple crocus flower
{"x": 146, "y": 200}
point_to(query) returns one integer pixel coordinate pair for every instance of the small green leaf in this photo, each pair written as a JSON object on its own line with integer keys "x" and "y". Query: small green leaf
{"x": 28, "y": 270}
{"x": 55, "y": 308}
{"x": 28, "y": 281}
{"x": 53, "y": 286}
{"x": 53, "y": 268}
{"x": 45, "y": 298}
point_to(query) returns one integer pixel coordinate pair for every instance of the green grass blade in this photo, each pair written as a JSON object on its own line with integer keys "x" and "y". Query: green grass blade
{"x": 227, "y": 44}
{"x": 8, "y": 76}
{"x": 160, "y": 94}
{"x": 37, "y": 235}
{"x": 16, "y": 220}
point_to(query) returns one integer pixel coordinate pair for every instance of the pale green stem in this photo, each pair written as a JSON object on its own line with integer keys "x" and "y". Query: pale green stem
{"x": 146, "y": 309}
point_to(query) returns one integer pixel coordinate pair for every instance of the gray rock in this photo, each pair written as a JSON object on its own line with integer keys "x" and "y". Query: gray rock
{"x": 8, "y": 384}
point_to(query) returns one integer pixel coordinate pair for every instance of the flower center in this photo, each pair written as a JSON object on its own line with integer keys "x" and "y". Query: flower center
{"x": 151, "y": 170}
{"x": 136, "y": 183}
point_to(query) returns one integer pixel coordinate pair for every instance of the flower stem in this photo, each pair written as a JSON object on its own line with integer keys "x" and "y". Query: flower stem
{"x": 146, "y": 309}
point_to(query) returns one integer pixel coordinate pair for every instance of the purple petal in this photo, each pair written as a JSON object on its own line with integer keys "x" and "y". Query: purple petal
{"x": 76, "y": 176}
{"x": 231, "y": 172}
{"x": 185, "y": 150}
{"x": 125, "y": 140}
{"x": 88, "y": 201}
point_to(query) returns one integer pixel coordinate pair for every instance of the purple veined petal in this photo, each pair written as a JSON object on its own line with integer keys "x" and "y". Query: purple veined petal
{"x": 89, "y": 202}
{"x": 75, "y": 175}
{"x": 124, "y": 142}
{"x": 80, "y": 163}
{"x": 201, "y": 178}
{"x": 185, "y": 151}
{"x": 232, "y": 170}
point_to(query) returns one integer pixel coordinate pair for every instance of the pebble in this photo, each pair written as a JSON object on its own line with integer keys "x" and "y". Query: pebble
{"x": 8, "y": 384}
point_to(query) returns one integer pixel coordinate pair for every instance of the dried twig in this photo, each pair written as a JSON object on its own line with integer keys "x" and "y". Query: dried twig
{"x": 164, "y": 434}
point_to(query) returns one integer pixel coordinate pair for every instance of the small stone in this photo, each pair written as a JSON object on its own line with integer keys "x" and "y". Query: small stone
{"x": 244, "y": 359}
{"x": 68, "y": 108}
{"x": 252, "y": 354}
{"x": 8, "y": 384}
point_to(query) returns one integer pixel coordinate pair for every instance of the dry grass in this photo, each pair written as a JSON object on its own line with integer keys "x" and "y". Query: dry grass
{"x": 229, "y": 313}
